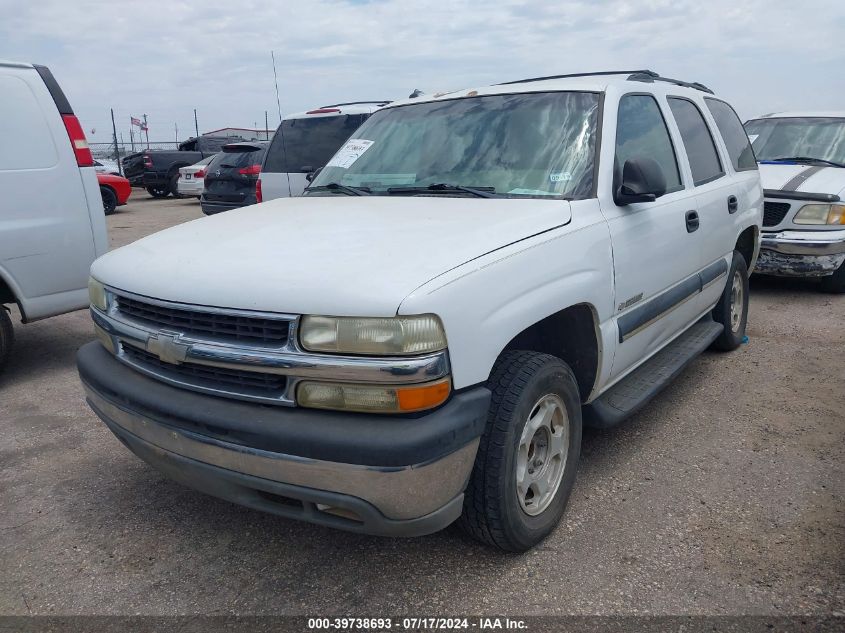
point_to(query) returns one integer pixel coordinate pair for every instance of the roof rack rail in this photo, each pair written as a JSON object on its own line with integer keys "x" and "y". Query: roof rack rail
{"x": 602, "y": 72}
{"x": 335, "y": 105}
{"x": 649, "y": 76}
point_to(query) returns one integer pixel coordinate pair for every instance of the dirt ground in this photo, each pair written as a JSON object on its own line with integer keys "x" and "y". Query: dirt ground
{"x": 723, "y": 496}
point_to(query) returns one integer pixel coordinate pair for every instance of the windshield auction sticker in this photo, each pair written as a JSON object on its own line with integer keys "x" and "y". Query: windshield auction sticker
{"x": 349, "y": 153}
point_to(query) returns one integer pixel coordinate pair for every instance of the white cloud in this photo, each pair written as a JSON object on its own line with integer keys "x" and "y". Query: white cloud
{"x": 166, "y": 58}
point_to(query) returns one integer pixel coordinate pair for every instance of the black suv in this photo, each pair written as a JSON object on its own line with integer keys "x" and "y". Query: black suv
{"x": 231, "y": 176}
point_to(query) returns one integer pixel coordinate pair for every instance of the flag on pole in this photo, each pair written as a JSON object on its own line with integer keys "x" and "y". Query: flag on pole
{"x": 136, "y": 121}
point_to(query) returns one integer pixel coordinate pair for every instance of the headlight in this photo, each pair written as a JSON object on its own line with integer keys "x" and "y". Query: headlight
{"x": 372, "y": 398}
{"x": 373, "y": 336}
{"x": 821, "y": 214}
{"x": 97, "y": 294}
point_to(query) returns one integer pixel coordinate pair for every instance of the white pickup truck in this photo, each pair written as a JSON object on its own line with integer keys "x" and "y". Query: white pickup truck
{"x": 419, "y": 338}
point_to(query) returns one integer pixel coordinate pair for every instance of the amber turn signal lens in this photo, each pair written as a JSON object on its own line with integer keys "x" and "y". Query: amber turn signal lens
{"x": 424, "y": 397}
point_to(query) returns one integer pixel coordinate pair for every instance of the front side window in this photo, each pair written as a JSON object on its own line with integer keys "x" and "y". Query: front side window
{"x": 807, "y": 139}
{"x": 305, "y": 144}
{"x": 736, "y": 140}
{"x": 530, "y": 144}
{"x": 641, "y": 133}
{"x": 701, "y": 150}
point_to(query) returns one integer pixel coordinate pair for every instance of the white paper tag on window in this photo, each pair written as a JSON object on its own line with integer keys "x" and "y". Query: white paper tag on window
{"x": 560, "y": 176}
{"x": 349, "y": 153}
{"x": 753, "y": 137}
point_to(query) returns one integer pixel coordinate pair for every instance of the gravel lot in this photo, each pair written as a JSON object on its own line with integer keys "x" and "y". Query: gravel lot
{"x": 724, "y": 496}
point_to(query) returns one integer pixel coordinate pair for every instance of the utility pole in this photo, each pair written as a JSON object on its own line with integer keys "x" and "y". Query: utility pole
{"x": 176, "y": 131}
{"x": 147, "y": 131}
{"x": 266, "y": 127}
{"x": 196, "y": 125}
{"x": 116, "y": 150}
{"x": 131, "y": 135}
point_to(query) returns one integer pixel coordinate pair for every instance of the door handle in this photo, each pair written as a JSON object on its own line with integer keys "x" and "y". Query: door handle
{"x": 733, "y": 204}
{"x": 692, "y": 221}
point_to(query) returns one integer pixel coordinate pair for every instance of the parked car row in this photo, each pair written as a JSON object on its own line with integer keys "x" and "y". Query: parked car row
{"x": 465, "y": 283}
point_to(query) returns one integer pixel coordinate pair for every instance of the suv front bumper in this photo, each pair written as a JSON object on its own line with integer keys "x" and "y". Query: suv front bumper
{"x": 385, "y": 475}
{"x": 796, "y": 253}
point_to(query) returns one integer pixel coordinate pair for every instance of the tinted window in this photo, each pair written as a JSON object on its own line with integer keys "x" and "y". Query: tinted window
{"x": 532, "y": 144}
{"x": 237, "y": 159}
{"x": 736, "y": 140}
{"x": 701, "y": 151}
{"x": 309, "y": 143}
{"x": 641, "y": 132}
{"x": 809, "y": 137}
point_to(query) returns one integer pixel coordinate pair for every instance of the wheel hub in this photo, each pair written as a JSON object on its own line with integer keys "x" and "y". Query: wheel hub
{"x": 541, "y": 454}
{"x": 737, "y": 301}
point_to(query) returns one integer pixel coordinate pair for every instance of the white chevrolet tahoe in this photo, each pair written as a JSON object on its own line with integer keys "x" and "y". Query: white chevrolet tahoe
{"x": 51, "y": 211}
{"x": 802, "y": 166}
{"x": 418, "y": 338}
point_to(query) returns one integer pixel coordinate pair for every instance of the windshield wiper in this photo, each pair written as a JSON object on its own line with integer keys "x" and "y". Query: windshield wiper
{"x": 804, "y": 159}
{"x": 481, "y": 192}
{"x": 336, "y": 186}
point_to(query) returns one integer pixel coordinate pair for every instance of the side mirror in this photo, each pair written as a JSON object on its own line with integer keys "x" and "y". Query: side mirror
{"x": 642, "y": 181}
{"x": 312, "y": 173}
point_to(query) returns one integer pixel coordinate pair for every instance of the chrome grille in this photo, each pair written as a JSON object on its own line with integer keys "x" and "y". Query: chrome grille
{"x": 225, "y": 326}
{"x": 774, "y": 212}
{"x": 217, "y": 378}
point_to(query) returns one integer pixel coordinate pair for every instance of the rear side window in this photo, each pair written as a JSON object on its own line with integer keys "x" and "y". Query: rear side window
{"x": 303, "y": 145}
{"x": 27, "y": 142}
{"x": 736, "y": 140}
{"x": 641, "y": 132}
{"x": 701, "y": 150}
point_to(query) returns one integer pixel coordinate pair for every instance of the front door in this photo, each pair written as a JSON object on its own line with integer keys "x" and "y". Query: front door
{"x": 656, "y": 248}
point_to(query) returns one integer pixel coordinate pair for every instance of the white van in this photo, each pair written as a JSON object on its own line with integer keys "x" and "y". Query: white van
{"x": 304, "y": 142}
{"x": 52, "y": 224}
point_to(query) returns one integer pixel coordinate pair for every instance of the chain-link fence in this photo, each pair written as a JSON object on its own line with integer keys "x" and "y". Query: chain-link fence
{"x": 107, "y": 150}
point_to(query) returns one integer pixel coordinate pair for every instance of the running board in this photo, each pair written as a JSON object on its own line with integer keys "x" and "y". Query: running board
{"x": 631, "y": 393}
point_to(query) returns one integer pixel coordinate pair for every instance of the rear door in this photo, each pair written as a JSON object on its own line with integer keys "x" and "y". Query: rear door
{"x": 302, "y": 145}
{"x": 47, "y": 232}
{"x": 231, "y": 175}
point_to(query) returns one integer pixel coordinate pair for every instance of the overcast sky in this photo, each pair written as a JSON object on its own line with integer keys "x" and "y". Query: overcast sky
{"x": 165, "y": 58}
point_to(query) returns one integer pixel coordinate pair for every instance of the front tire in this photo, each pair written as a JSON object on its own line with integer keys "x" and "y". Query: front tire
{"x": 732, "y": 309}
{"x": 7, "y": 337}
{"x": 109, "y": 200}
{"x": 528, "y": 455}
{"x": 835, "y": 283}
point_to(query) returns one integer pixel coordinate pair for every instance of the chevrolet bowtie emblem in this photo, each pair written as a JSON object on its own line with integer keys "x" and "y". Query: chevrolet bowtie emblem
{"x": 167, "y": 347}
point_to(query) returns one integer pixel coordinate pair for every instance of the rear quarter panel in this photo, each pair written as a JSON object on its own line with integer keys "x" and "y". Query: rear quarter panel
{"x": 51, "y": 213}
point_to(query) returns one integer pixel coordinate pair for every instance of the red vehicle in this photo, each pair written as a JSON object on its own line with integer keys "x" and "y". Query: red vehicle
{"x": 115, "y": 191}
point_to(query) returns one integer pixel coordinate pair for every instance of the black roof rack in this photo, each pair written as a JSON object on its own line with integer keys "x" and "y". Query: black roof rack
{"x": 603, "y": 72}
{"x": 648, "y": 76}
{"x": 336, "y": 105}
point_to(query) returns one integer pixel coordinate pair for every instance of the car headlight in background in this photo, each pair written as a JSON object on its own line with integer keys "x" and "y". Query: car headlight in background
{"x": 97, "y": 294}
{"x": 821, "y": 214}
{"x": 390, "y": 336}
{"x": 373, "y": 398}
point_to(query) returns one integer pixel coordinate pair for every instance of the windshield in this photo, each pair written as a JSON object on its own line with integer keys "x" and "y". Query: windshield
{"x": 798, "y": 137}
{"x": 237, "y": 159}
{"x": 530, "y": 144}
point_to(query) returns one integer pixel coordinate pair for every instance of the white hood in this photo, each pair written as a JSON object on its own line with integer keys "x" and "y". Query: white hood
{"x": 825, "y": 180}
{"x": 323, "y": 255}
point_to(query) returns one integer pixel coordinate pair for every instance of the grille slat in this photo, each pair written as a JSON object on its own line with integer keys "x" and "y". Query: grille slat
{"x": 225, "y": 326}
{"x": 774, "y": 212}
{"x": 270, "y": 385}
